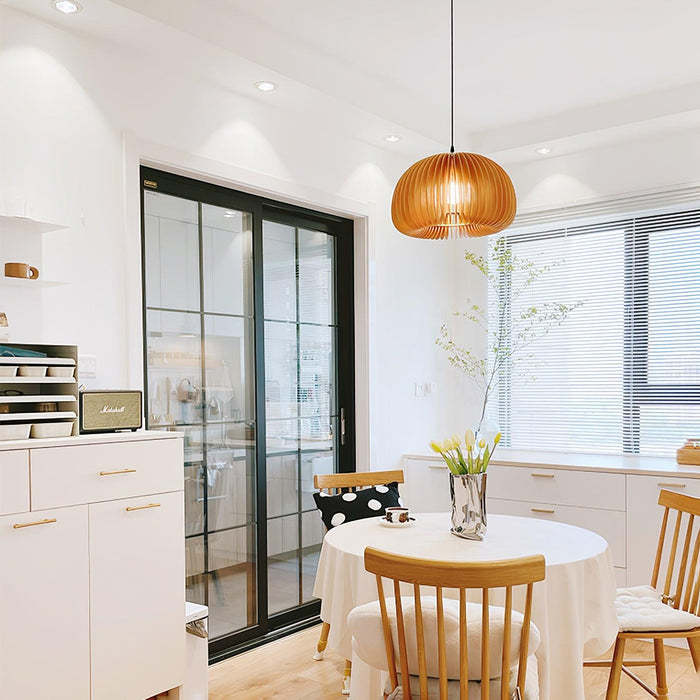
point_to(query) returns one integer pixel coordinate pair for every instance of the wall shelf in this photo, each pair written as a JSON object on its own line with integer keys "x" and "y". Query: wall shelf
{"x": 18, "y": 282}
{"x": 23, "y": 225}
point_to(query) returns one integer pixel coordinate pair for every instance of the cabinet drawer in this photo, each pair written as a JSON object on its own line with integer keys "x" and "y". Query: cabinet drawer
{"x": 62, "y": 476}
{"x": 14, "y": 481}
{"x": 609, "y": 524}
{"x": 559, "y": 486}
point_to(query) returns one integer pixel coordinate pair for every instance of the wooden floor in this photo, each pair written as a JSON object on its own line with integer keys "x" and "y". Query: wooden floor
{"x": 285, "y": 669}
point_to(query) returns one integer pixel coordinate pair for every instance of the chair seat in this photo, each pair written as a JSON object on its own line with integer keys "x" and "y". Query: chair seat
{"x": 474, "y": 692}
{"x": 641, "y": 609}
{"x": 365, "y": 624}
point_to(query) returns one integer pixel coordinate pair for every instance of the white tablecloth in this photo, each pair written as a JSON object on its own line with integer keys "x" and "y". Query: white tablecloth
{"x": 573, "y": 607}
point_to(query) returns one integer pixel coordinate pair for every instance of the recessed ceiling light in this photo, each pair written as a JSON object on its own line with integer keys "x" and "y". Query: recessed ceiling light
{"x": 68, "y": 7}
{"x": 228, "y": 214}
{"x": 543, "y": 151}
{"x": 392, "y": 138}
{"x": 265, "y": 85}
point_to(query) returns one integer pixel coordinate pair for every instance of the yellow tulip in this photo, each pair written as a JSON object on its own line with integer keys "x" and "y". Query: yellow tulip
{"x": 497, "y": 439}
{"x": 456, "y": 441}
{"x": 469, "y": 439}
{"x": 447, "y": 445}
{"x": 482, "y": 443}
{"x": 435, "y": 447}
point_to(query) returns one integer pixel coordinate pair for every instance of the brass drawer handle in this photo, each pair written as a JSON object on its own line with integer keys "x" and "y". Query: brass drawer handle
{"x": 150, "y": 505}
{"x": 671, "y": 486}
{"x": 46, "y": 521}
{"x": 541, "y": 510}
{"x": 437, "y": 466}
{"x": 542, "y": 476}
{"x": 119, "y": 471}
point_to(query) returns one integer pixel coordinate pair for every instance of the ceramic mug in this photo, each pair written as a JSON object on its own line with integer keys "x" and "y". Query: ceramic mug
{"x": 22, "y": 270}
{"x": 396, "y": 514}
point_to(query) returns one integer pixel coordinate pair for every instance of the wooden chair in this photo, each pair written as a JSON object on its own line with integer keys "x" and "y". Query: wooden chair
{"x": 681, "y": 591}
{"x": 463, "y": 576}
{"x": 342, "y": 483}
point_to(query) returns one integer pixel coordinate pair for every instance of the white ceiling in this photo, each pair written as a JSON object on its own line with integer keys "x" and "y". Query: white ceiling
{"x": 526, "y": 72}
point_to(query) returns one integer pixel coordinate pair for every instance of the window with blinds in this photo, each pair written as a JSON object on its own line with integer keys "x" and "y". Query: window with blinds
{"x": 622, "y": 373}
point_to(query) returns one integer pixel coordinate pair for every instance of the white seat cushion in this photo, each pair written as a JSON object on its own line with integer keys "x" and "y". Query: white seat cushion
{"x": 365, "y": 624}
{"x": 640, "y": 609}
{"x": 532, "y": 683}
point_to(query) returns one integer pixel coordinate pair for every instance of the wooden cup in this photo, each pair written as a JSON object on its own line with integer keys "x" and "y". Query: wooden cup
{"x": 22, "y": 270}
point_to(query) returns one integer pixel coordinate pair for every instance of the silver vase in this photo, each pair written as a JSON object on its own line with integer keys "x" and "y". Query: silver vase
{"x": 468, "y": 493}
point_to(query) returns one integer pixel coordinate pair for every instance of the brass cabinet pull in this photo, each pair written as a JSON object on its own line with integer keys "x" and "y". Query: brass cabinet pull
{"x": 150, "y": 505}
{"x": 46, "y": 521}
{"x": 119, "y": 471}
{"x": 541, "y": 510}
{"x": 671, "y": 486}
{"x": 437, "y": 466}
{"x": 542, "y": 476}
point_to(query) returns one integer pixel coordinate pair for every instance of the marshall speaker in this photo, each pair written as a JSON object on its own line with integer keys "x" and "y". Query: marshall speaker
{"x": 110, "y": 411}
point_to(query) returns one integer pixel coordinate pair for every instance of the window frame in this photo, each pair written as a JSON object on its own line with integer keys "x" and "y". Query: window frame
{"x": 638, "y": 391}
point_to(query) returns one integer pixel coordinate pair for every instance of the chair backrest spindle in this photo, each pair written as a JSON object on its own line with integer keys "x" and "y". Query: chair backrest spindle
{"x": 420, "y": 641}
{"x": 484, "y": 644}
{"x": 505, "y": 655}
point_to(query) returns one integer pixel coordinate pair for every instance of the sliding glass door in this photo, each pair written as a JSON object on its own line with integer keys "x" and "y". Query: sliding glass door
{"x": 248, "y": 326}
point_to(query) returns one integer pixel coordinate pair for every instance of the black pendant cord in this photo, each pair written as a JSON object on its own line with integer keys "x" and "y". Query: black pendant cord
{"x": 452, "y": 76}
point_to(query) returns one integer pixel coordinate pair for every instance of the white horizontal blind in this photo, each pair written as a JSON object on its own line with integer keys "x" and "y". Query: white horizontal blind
{"x": 622, "y": 373}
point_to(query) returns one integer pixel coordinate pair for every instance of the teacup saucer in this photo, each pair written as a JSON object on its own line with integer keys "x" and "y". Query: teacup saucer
{"x": 383, "y": 521}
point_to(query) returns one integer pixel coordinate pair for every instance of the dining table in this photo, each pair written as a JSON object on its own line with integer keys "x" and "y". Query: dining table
{"x": 573, "y": 607}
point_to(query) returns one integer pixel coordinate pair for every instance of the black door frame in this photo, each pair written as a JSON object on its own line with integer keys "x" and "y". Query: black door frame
{"x": 341, "y": 229}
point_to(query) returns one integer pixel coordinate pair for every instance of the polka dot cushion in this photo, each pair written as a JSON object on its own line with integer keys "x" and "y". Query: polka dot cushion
{"x": 356, "y": 505}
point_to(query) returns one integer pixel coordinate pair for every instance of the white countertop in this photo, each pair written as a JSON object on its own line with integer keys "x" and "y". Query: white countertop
{"x": 581, "y": 461}
{"x": 93, "y": 439}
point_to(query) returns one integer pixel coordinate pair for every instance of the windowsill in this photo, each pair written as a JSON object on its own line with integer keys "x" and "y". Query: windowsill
{"x": 582, "y": 461}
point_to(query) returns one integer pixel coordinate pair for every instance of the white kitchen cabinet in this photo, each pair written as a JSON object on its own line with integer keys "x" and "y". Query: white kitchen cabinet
{"x": 644, "y": 515}
{"x": 137, "y": 590}
{"x": 427, "y": 485}
{"x": 44, "y": 608}
{"x": 14, "y": 481}
{"x": 615, "y": 496}
{"x": 92, "y": 595}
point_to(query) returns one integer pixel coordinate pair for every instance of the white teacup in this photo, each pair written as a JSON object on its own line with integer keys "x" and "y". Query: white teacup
{"x": 397, "y": 514}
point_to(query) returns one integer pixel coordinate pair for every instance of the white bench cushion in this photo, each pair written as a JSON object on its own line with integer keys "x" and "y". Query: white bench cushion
{"x": 640, "y": 609}
{"x": 365, "y": 624}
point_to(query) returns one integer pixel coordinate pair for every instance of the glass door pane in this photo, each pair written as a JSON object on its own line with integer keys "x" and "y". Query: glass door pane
{"x": 300, "y": 402}
{"x": 200, "y": 378}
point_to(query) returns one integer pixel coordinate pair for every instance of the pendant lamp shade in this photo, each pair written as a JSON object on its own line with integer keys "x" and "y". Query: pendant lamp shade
{"x": 453, "y": 194}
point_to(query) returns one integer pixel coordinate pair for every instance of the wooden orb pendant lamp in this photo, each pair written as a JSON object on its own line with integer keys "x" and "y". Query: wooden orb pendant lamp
{"x": 453, "y": 194}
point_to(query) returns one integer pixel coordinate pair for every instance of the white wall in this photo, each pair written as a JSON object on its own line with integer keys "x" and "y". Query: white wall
{"x": 654, "y": 161}
{"x": 72, "y": 110}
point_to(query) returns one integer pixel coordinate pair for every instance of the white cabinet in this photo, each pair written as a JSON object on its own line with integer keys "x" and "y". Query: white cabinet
{"x": 644, "y": 515}
{"x": 14, "y": 481}
{"x": 615, "y": 496}
{"x": 92, "y": 596}
{"x": 136, "y": 596}
{"x": 427, "y": 487}
{"x": 44, "y": 608}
